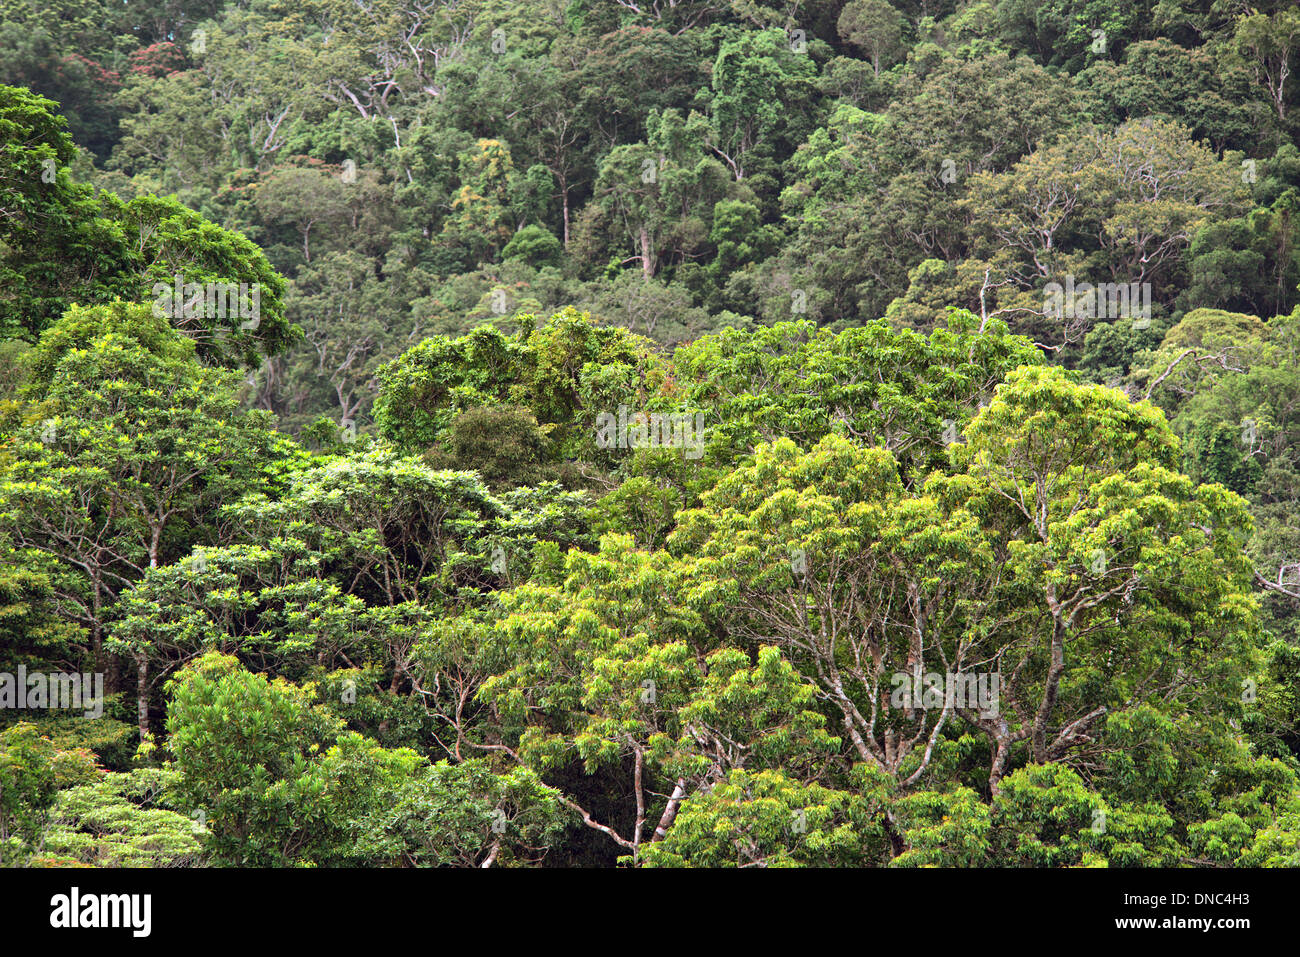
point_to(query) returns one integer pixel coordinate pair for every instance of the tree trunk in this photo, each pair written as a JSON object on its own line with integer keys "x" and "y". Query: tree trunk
{"x": 647, "y": 265}
{"x": 142, "y": 694}
{"x": 564, "y": 202}
{"x": 96, "y": 629}
{"x": 1050, "y": 686}
{"x": 897, "y": 845}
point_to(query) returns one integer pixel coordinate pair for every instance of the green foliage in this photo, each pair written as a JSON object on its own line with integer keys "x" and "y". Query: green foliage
{"x": 63, "y": 244}
{"x": 764, "y": 819}
{"x": 504, "y": 445}
{"x": 28, "y": 790}
{"x": 273, "y": 782}
{"x": 399, "y": 597}
{"x": 122, "y": 820}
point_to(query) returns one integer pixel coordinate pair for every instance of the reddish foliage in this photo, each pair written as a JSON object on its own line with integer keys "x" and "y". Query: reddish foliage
{"x": 96, "y": 71}
{"x": 160, "y": 59}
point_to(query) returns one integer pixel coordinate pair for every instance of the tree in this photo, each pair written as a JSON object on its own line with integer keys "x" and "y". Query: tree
{"x": 794, "y": 381}
{"x": 64, "y": 245}
{"x": 1267, "y": 44}
{"x": 556, "y": 370}
{"x": 1119, "y": 208}
{"x": 123, "y": 820}
{"x": 27, "y": 790}
{"x": 49, "y": 227}
{"x": 1212, "y": 96}
{"x": 481, "y": 217}
{"x": 758, "y": 85}
{"x": 611, "y": 672}
{"x": 340, "y": 303}
{"x": 274, "y": 782}
{"x": 875, "y": 27}
{"x": 1063, "y": 545}
{"x": 128, "y": 449}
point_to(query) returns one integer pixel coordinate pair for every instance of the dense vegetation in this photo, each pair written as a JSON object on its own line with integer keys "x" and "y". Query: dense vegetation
{"x": 644, "y": 400}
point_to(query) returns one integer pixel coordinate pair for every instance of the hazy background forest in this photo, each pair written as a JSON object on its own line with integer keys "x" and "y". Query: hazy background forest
{"x": 969, "y": 330}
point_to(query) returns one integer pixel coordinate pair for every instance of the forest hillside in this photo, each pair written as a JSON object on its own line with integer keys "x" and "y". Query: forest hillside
{"x": 657, "y": 433}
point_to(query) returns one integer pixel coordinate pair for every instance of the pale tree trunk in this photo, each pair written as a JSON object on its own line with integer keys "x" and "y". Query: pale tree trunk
{"x": 142, "y": 694}
{"x": 647, "y": 262}
{"x": 96, "y": 628}
{"x": 670, "y": 812}
{"x": 564, "y": 203}
{"x": 1050, "y": 687}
